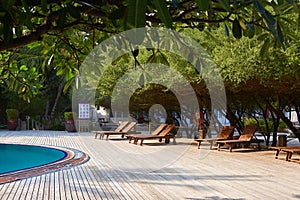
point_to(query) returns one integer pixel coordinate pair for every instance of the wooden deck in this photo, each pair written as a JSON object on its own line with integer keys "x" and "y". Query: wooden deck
{"x": 119, "y": 170}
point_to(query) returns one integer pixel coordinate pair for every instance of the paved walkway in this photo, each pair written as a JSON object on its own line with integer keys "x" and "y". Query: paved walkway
{"x": 119, "y": 170}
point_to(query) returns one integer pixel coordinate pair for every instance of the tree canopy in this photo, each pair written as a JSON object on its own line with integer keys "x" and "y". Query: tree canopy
{"x": 23, "y": 22}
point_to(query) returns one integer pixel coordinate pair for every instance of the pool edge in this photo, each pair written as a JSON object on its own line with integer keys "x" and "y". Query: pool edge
{"x": 73, "y": 158}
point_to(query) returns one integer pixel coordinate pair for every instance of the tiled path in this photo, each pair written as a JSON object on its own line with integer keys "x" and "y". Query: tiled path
{"x": 119, "y": 170}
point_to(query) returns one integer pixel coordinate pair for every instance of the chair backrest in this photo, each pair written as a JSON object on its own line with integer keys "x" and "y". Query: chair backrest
{"x": 226, "y": 132}
{"x": 129, "y": 127}
{"x": 121, "y": 126}
{"x": 248, "y": 132}
{"x": 167, "y": 130}
{"x": 158, "y": 129}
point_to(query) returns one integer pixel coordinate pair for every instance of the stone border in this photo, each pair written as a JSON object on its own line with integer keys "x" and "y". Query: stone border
{"x": 73, "y": 157}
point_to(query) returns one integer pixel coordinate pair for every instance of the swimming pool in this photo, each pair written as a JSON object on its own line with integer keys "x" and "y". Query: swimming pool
{"x": 18, "y": 161}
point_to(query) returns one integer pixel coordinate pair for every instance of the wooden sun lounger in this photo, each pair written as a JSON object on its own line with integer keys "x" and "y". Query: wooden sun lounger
{"x": 155, "y": 132}
{"x": 118, "y": 129}
{"x": 245, "y": 139}
{"x": 279, "y": 149}
{"x": 123, "y": 132}
{"x": 225, "y": 134}
{"x": 290, "y": 151}
{"x": 164, "y": 134}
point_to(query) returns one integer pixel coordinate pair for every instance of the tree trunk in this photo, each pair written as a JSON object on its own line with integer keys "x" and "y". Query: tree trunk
{"x": 47, "y": 108}
{"x": 233, "y": 120}
{"x": 275, "y": 128}
{"x": 265, "y": 116}
{"x": 59, "y": 91}
{"x": 280, "y": 114}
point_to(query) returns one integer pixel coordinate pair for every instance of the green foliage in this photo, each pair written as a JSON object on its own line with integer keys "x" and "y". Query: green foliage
{"x": 21, "y": 22}
{"x": 57, "y": 125}
{"x": 68, "y": 116}
{"x": 262, "y": 124}
{"x": 163, "y": 12}
{"x": 12, "y": 114}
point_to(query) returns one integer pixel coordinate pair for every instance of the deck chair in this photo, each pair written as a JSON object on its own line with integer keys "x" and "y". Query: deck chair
{"x": 225, "y": 134}
{"x": 279, "y": 149}
{"x": 118, "y": 129}
{"x": 164, "y": 134}
{"x": 290, "y": 151}
{"x": 123, "y": 132}
{"x": 155, "y": 132}
{"x": 245, "y": 139}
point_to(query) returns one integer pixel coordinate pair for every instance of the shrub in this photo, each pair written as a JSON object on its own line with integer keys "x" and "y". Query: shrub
{"x": 68, "y": 116}
{"x": 12, "y": 114}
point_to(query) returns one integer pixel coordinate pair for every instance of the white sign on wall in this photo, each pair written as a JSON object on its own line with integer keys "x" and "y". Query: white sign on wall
{"x": 84, "y": 110}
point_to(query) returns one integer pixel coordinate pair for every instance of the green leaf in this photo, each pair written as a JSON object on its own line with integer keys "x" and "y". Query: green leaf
{"x": 136, "y": 16}
{"x": 280, "y": 37}
{"x": 69, "y": 83}
{"x": 25, "y": 5}
{"x": 60, "y": 72}
{"x": 32, "y": 70}
{"x": 28, "y": 21}
{"x": 248, "y": 32}
{"x": 62, "y": 19}
{"x": 236, "y": 29}
{"x": 44, "y": 6}
{"x": 225, "y": 4}
{"x": 163, "y": 12}
{"x": 265, "y": 48}
{"x": 23, "y": 68}
{"x": 226, "y": 30}
{"x": 7, "y": 32}
{"x": 163, "y": 59}
{"x": 203, "y": 4}
{"x": 74, "y": 11}
{"x": 266, "y": 15}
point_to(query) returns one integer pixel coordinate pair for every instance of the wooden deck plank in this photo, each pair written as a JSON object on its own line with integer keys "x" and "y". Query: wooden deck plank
{"x": 217, "y": 175}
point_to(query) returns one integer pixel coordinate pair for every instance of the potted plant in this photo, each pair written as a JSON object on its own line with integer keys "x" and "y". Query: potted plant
{"x": 69, "y": 122}
{"x": 12, "y": 119}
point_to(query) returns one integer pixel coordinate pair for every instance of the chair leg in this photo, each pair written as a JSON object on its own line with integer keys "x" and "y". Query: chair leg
{"x": 219, "y": 147}
{"x": 142, "y": 140}
{"x": 277, "y": 153}
{"x": 199, "y": 143}
{"x": 289, "y": 156}
{"x": 230, "y": 147}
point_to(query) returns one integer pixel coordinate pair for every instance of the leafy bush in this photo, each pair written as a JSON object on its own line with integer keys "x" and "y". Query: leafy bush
{"x": 12, "y": 114}
{"x": 68, "y": 116}
{"x": 57, "y": 125}
{"x": 262, "y": 125}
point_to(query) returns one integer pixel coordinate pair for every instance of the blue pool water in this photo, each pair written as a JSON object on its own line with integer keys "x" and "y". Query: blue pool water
{"x": 15, "y": 157}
